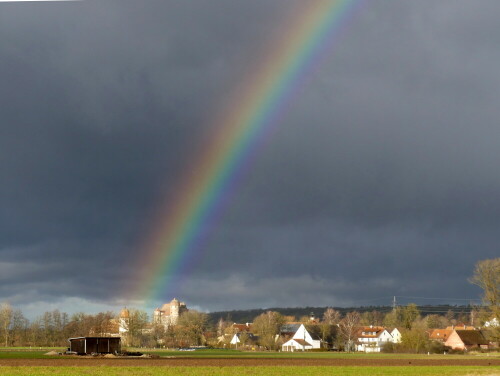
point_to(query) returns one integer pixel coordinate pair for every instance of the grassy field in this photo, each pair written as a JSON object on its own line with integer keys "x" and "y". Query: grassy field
{"x": 48, "y": 368}
{"x": 27, "y": 353}
{"x": 244, "y": 371}
{"x": 220, "y": 353}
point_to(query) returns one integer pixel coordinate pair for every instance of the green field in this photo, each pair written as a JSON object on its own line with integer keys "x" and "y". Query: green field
{"x": 221, "y": 353}
{"x": 231, "y": 371}
{"x": 27, "y": 353}
{"x": 237, "y": 369}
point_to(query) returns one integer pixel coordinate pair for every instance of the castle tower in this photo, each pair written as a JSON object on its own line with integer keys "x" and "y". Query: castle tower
{"x": 124, "y": 321}
{"x": 169, "y": 313}
{"x": 174, "y": 311}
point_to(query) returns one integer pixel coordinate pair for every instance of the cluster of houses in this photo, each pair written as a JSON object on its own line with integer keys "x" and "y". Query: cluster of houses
{"x": 461, "y": 337}
{"x": 369, "y": 339}
{"x": 295, "y": 336}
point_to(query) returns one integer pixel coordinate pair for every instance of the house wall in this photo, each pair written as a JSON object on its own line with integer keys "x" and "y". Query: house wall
{"x": 396, "y": 336}
{"x": 235, "y": 340}
{"x": 373, "y": 344}
{"x": 292, "y": 345}
{"x": 455, "y": 342}
{"x": 302, "y": 333}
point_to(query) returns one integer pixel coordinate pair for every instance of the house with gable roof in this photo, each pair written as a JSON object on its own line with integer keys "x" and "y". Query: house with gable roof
{"x": 242, "y": 332}
{"x": 301, "y": 339}
{"x": 372, "y": 338}
{"x": 461, "y": 339}
{"x": 244, "y": 338}
{"x": 396, "y": 335}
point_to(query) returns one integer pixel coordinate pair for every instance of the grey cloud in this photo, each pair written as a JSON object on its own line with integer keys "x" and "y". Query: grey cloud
{"x": 382, "y": 173}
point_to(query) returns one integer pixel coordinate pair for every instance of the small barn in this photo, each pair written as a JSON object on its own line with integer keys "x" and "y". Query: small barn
{"x": 467, "y": 340}
{"x": 96, "y": 345}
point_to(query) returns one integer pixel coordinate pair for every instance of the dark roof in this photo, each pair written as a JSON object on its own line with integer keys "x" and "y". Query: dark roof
{"x": 70, "y": 339}
{"x": 472, "y": 337}
{"x": 250, "y": 336}
{"x": 290, "y": 328}
{"x": 390, "y": 329}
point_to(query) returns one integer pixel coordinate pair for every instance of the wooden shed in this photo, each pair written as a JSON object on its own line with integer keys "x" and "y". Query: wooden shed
{"x": 97, "y": 345}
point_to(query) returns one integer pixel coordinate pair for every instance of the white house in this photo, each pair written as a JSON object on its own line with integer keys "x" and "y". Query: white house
{"x": 372, "y": 338}
{"x": 250, "y": 338}
{"x": 396, "y": 335}
{"x": 301, "y": 341}
{"x": 493, "y": 323}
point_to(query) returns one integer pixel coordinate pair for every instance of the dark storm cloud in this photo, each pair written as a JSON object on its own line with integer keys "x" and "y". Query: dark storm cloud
{"x": 380, "y": 181}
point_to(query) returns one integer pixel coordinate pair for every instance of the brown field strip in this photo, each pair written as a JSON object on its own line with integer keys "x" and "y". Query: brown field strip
{"x": 224, "y": 362}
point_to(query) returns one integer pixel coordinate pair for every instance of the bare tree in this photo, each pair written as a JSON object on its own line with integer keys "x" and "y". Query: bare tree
{"x": 328, "y": 326}
{"x": 267, "y": 327}
{"x": 410, "y": 315}
{"x": 6, "y": 314}
{"x": 5, "y": 321}
{"x": 193, "y": 325}
{"x": 19, "y": 328}
{"x": 348, "y": 327}
{"x": 331, "y": 316}
{"x": 487, "y": 276}
{"x": 137, "y": 322}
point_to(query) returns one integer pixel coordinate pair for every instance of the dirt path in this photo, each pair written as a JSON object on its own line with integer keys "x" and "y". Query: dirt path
{"x": 194, "y": 362}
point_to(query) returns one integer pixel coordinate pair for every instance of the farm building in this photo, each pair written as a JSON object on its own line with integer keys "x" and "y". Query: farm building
{"x": 467, "y": 340}
{"x": 97, "y": 345}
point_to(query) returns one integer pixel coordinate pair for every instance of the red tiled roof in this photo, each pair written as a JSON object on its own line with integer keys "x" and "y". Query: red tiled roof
{"x": 460, "y": 327}
{"x": 242, "y": 327}
{"x": 367, "y": 329}
{"x": 440, "y": 334}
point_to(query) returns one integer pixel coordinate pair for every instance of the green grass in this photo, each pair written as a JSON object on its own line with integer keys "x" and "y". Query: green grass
{"x": 31, "y": 348}
{"x": 220, "y": 353}
{"x": 26, "y": 353}
{"x": 245, "y": 371}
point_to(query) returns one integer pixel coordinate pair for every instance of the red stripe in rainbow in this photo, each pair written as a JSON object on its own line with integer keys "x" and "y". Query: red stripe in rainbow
{"x": 239, "y": 130}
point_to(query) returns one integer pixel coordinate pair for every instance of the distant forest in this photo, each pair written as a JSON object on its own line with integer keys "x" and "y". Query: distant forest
{"x": 243, "y": 316}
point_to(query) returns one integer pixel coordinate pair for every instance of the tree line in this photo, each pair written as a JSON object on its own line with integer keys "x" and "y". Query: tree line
{"x": 194, "y": 328}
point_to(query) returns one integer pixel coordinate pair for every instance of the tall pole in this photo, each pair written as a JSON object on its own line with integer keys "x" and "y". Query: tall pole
{"x": 304, "y": 343}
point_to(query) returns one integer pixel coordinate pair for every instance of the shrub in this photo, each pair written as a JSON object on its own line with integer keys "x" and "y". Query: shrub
{"x": 435, "y": 347}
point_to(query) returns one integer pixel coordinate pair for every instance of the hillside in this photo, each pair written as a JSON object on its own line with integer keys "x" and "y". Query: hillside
{"x": 248, "y": 315}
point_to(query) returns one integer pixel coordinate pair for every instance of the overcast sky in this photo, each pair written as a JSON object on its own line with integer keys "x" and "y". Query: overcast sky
{"x": 381, "y": 180}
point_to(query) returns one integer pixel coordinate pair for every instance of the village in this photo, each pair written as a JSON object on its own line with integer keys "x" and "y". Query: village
{"x": 175, "y": 326}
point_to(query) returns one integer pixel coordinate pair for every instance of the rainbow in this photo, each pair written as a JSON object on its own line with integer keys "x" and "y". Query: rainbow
{"x": 241, "y": 128}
